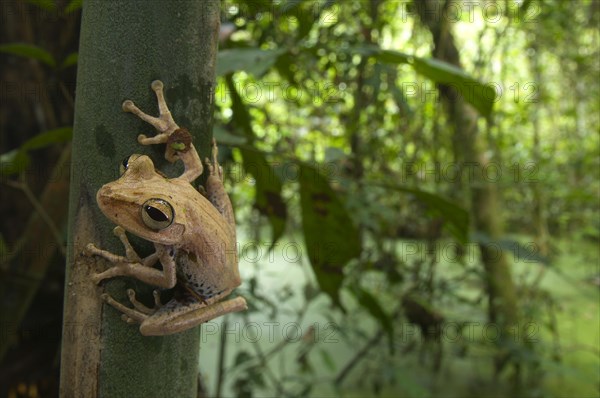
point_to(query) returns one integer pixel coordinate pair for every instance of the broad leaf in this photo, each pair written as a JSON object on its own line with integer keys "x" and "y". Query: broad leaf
{"x": 307, "y": 14}
{"x": 241, "y": 118}
{"x": 481, "y": 96}
{"x": 29, "y": 51}
{"x": 70, "y": 60}
{"x": 268, "y": 191}
{"x": 47, "y": 5}
{"x": 73, "y": 6}
{"x": 327, "y": 359}
{"x": 48, "y": 137}
{"x": 13, "y": 162}
{"x": 268, "y": 185}
{"x": 250, "y": 60}
{"x": 241, "y": 358}
{"x": 522, "y": 253}
{"x": 456, "y": 218}
{"x": 330, "y": 236}
{"x": 371, "y": 304}
{"x": 17, "y": 160}
{"x": 226, "y": 138}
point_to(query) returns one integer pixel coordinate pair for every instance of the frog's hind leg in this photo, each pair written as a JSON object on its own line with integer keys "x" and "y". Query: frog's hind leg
{"x": 186, "y": 312}
{"x": 130, "y": 315}
{"x": 141, "y": 307}
{"x": 214, "y": 187}
{"x": 139, "y": 313}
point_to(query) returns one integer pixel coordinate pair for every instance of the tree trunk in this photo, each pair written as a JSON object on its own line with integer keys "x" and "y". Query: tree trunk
{"x": 125, "y": 45}
{"x": 502, "y": 301}
{"x": 539, "y": 200}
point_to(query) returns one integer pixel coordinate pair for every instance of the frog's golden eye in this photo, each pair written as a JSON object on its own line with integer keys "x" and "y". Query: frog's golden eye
{"x": 157, "y": 214}
{"x": 127, "y": 161}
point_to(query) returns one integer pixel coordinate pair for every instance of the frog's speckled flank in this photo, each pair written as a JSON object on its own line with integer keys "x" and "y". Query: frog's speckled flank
{"x": 194, "y": 237}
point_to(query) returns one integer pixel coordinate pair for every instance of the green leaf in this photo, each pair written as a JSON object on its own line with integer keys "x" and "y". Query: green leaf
{"x": 481, "y": 96}
{"x": 17, "y": 160}
{"x": 306, "y": 13}
{"x": 29, "y": 51}
{"x": 226, "y": 138}
{"x": 47, "y": 5}
{"x": 327, "y": 359}
{"x": 241, "y": 358}
{"x": 13, "y": 162}
{"x": 268, "y": 185}
{"x": 456, "y": 218}
{"x": 522, "y": 253}
{"x": 241, "y": 116}
{"x": 371, "y": 304}
{"x": 242, "y": 387}
{"x": 310, "y": 292}
{"x": 256, "y": 376}
{"x": 282, "y": 65}
{"x": 49, "y": 137}
{"x": 268, "y": 192}
{"x": 331, "y": 238}
{"x": 73, "y": 6}
{"x": 70, "y": 60}
{"x": 250, "y": 60}
{"x": 289, "y": 5}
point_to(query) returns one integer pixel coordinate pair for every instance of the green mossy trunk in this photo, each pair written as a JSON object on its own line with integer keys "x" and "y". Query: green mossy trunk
{"x": 125, "y": 45}
{"x": 540, "y": 218}
{"x": 502, "y": 297}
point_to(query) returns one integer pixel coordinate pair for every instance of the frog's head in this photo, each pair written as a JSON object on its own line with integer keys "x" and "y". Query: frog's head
{"x": 141, "y": 201}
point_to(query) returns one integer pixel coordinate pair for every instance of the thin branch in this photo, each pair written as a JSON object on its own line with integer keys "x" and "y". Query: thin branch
{"x": 262, "y": 358}
{"x": 22, "y": 185}
{"x": 361, "y": 353}
{"x": 357, "y": 357}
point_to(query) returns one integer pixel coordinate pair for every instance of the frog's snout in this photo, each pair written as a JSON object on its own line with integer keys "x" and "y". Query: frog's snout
{"x": 103, "y": 194}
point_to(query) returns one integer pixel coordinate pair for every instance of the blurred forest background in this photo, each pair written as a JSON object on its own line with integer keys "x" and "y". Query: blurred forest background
{"x": 416, "y": 186}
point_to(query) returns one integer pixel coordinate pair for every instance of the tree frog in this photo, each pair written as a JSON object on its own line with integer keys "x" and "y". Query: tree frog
{"x": 193, "y": 235}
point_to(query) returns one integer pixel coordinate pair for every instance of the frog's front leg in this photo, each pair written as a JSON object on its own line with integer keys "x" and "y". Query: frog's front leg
{"x": 132, "y": 265}
{"x": 164, "y": 123}
{"x": 178, "y": 140}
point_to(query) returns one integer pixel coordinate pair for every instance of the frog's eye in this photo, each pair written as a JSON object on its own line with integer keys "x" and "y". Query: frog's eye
{"x": 127, "y": 161}
{"x": 157, "y": 214}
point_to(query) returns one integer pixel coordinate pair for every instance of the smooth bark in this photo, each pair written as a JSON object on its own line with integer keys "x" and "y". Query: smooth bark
{"x": 125, "y": 45}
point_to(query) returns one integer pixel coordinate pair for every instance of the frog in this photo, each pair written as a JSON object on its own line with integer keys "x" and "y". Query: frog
{"x": 193, "y": 232}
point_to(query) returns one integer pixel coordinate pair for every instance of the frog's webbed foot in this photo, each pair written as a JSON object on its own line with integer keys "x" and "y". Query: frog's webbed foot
{"x": 131, "y": 256}
{"x": 164, "y": 124}
{"x": 132, "y": 264}
{"x": 139, "y": 313}
{"x": 141, "y": 307}
{"x": 178, "y": 140}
